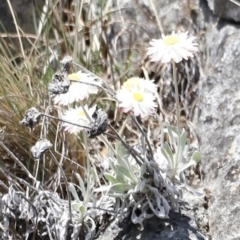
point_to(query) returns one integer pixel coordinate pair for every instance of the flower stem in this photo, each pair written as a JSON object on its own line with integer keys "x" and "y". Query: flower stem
{"x": 66, "y": 182}
{"x": 176, "y": 94}
{"x": 145, "y": 136}
{"x": 59, "y": 119}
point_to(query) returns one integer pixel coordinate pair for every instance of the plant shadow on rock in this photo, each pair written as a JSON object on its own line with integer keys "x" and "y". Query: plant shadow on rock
{"x": 178, "y": 226}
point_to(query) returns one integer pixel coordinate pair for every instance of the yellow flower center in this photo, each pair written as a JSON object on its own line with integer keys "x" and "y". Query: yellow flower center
{"x": 132, "y": 83}
{"x": 81, "y": 114}
{"x": 138, "y": 96}
{"x": 74, "y": 77}
{"x": 171, "y": 40}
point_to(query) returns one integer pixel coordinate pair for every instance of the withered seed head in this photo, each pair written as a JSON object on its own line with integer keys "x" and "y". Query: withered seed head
{"x": 31, "y": 118}
{"x": 40, "y": 147}
{"x": 100, "y": 124}
{"x": 60, "y": 83}
{"x": 66, "y": 63}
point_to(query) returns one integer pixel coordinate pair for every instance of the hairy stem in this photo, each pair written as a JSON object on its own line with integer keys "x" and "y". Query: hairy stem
{"x": 176, "y": 94}
{"x": 66, "y": 182}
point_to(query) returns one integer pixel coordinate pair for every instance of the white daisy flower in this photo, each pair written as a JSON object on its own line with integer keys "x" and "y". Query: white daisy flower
{"x": 172, "y": 47}
{"x": 140, "y": 84}
{"x": 77, "y": 116}
{"x": 140, "y": 102}
{"x": 79, "y": 89}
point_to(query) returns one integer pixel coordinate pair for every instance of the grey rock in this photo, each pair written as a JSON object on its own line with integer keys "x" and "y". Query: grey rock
{"x": 172, "y": 16}
{"x": 218, "y": 130}
{"x": 25, "y": 11}
{"x": 225, "y": 9}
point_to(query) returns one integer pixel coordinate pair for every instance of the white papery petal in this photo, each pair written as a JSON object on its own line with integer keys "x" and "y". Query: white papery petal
{"x": 143, "y": 108}
{"x": 78, "y": 90}
{"x": 77, "y": 116}
{"x": 161, "y": 51}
